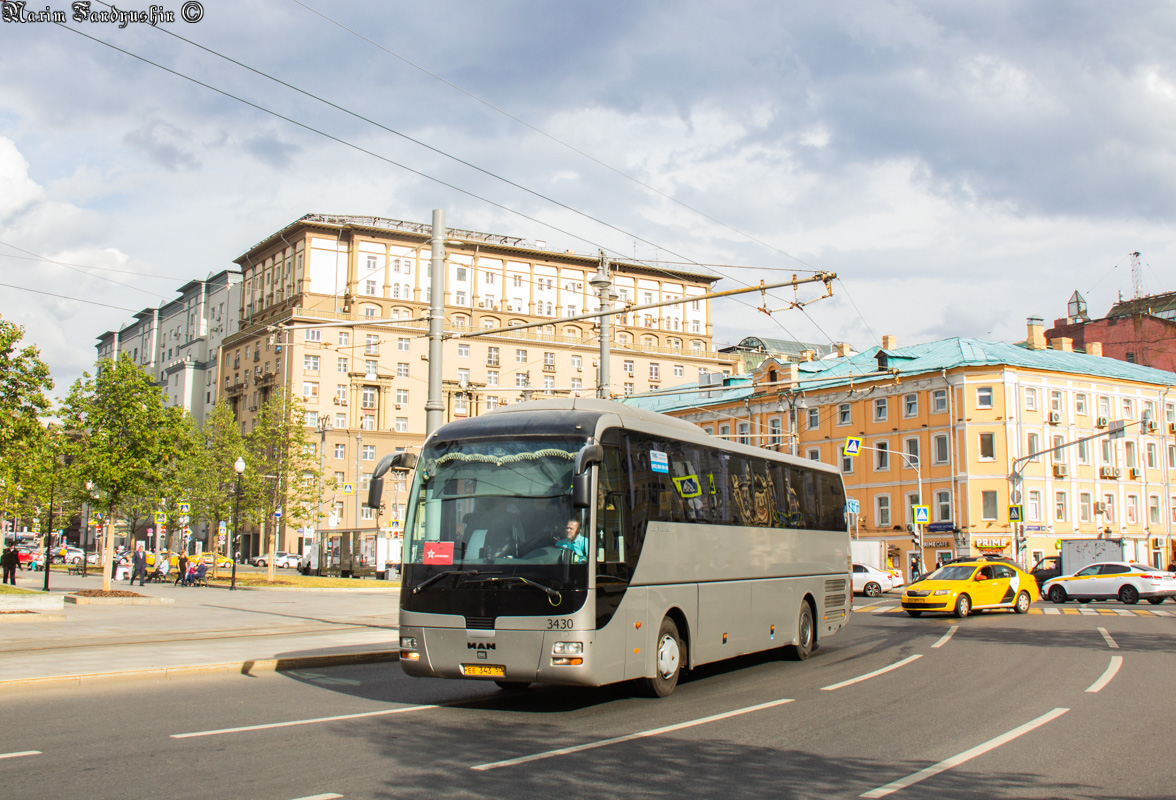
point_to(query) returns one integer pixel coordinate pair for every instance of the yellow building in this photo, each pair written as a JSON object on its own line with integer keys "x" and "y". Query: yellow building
{"x": 335, "y": 307}
{"x": 947, "y": 423}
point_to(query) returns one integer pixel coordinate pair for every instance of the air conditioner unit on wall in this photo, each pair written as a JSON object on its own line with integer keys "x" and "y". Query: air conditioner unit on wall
{"x": 1101, "y": 422}
{"x": 1100, "y": 508}
{"x": 1060, "y": 471}
{"x": 1135, "y": 474}
{"x": 1106, "y": 472}
{"x": 1055, "y": 417}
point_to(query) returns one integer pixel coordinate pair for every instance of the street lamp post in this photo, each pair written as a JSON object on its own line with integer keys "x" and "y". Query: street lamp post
{"x": 238, "y": 467}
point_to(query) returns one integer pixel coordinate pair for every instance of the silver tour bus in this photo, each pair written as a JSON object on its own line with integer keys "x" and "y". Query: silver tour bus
{"x": 583, "y": 542}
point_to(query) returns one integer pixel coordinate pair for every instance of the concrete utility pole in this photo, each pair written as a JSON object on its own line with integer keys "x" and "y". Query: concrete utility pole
{"x": 434, "y": 407}
{"x": 603, "y": 286}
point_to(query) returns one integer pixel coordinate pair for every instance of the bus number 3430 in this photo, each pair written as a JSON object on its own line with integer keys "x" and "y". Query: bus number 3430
{"x": 558, "y": 624}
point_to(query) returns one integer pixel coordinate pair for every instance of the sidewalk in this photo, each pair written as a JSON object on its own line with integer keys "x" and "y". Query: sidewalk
{"x": 207, "y": 629}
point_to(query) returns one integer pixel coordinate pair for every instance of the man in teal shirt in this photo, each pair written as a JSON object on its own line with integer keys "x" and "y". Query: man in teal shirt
{"x": 575, "y": 542}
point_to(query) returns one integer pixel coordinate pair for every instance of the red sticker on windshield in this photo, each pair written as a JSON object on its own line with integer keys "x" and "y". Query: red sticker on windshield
{"x": 438, "y": 553}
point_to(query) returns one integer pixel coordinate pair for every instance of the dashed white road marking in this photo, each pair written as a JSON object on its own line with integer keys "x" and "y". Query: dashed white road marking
{"x": 1111, "y": 643}
{"x": 510, "y": 762}
{"x": 1051, "y": 611}
{"x": 967, "y": 755}
{"x": 1112, "y": 669}
{"x": 873, "y": 674}
{"x": 327, "y": 796}
{"x": 946, "y": 637}
{"x": 292, "y": 723}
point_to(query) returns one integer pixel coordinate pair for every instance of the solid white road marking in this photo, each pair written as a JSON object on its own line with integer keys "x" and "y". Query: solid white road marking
{"x": 882, "y": 609}
{"x": 1052, "y": 610}
{"x": 947, "y": 636}
{"x": 21, "y": 753}
{"x": 1112, "y": 668}
{"x": 301, "y": 722}
{"x": 967, "y": 755}
{"x": 510, "y": 762}
{"x": 873, "y": 674}
{"x": 1110, "y": 642}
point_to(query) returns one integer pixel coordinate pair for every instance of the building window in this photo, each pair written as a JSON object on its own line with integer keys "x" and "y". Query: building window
{"x": 310, "y": 363}
{"x": 1080, "y": 404}
{"x": 983, "y": 397}
{"x": 1057, "y": 453}
{"x": 939, "y": 401}
{"x": 310, "y": 419}
{"x": 403, "y": 344}
{"x": 402, "y": 370}
{"x": 340, "y": 421}
{"x": 910, "y": 405}
{"x": 1061, "y": 512}
{"x": 814, "y": 418}
{"x": 1033, "y": 507}
{"x": 744, "y": 431}
{"x": 369, "y": 287}
{"x": 310, "y": 390}
{"x": 520, "y": 356}
{"x": 843, "y": 414}
{"x": 1129, "y": 454}
{"x": 882, "y": 510}
{"x": 627, "y": 365}
{"x": 939, "y": 448}
{"x": 369, "y": 452}
{"x": 312, "y": 335}
{"x": 846, "y": 462}
{"x": 492, "y": 357}
{"x": 775, "y": 431}
{"x": 523, "y": 379}
{"x": 725, "y": 431}
{"x": 344, "y": 337}
{"x": 1153, "y": 456}
{"x": 1153, "y": 510}
{"x": 988, "y": 505}
{"x": 368, "y": 397}
{"x": 577, "y": 384}
{"x": 1083, "y": 452}
{"x": 341, "y": 451}
{"x": 679, "y": 370}
{"x": 492, "y": 377}
{"x": 1030, "y": 399}
{"x": 880, "y": 409}
{"x": 1084, "y": 507}
{"x": 881, "y": 456}
{"x": 341, "y": 365}
{"x": 943, "y": 506}
{"x": 341, "y": 393}
{"x": 628, "y": 389}
{"x": 654, "y": 371}
{"x": 577, "y": 362}
{"x": 1108, "y": 508}
{"x": 911, "y": 446}
{"x": 463, "y": 351}
{"x": 371, "y": 344}
{"x": 402, "y": 424}
{"x": 987, "y": 447}
{"x": 1033, "y": 446}
{"x": 814, "y": 454}
{"x": 1132, "y": 509}
{"x": 402, "y": 397}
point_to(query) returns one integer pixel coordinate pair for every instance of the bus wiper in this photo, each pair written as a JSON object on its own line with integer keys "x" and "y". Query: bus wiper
{"x": 552, "y": 593}
{"x": 434, "y": 578}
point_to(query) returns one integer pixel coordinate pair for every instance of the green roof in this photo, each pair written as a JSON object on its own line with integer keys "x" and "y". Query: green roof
{"x": 916, "y": 359}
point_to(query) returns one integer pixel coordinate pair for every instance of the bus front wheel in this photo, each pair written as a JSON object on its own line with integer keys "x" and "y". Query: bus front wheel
{"x": 669, "y": 653}
{"x": 804, "y": 636}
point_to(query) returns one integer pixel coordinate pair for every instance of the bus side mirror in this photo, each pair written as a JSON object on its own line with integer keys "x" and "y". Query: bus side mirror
{"x": 588, "y": 455}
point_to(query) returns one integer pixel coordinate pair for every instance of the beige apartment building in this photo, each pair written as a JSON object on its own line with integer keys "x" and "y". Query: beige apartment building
{"x": 335, "y": 309}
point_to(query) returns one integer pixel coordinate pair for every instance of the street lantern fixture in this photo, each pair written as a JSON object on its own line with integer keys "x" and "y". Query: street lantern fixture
{"x": 239, "y": 468}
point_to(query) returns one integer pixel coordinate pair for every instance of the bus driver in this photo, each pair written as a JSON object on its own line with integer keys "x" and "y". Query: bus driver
{"x": 574, "y": 542}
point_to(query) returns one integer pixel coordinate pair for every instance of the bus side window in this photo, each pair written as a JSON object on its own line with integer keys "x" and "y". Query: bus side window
{"x": 610, "y": 514}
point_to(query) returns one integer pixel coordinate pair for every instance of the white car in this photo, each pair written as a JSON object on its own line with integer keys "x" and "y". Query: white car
{"x": 286, "y": 560}
{"x": 870, "y": 581}
{"x": 1109, "y": 580}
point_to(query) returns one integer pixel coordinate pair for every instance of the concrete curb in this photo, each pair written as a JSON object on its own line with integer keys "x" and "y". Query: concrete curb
{"x": 30, "y": 602}
{"x": 250, "y": 667}
{"x": 119, "y": 601}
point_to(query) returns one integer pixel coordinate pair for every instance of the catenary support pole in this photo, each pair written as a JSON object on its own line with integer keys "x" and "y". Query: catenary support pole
{"x": 603, "y": 286}
{"x": 434, "y": 408}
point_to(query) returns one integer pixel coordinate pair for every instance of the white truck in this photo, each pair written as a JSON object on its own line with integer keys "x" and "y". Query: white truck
{"x": 1074, "y": 554}
{"x": 871, "y": 552}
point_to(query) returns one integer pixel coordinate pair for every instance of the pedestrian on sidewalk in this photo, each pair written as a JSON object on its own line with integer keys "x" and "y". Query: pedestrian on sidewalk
{"x": 9, "y": 561}
{"x": 182, "y": 569}
{"x": 139, "y": 564}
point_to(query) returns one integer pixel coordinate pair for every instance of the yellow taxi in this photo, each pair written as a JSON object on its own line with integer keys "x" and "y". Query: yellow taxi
{"x": 207, "y": 557}
{"x": 966, "y": 587}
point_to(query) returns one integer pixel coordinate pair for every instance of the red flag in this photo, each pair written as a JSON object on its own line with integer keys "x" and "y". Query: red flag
{"x": 438, "y": 553}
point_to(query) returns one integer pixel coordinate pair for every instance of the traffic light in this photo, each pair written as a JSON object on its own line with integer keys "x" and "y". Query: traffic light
{"x": 914, "y": 536}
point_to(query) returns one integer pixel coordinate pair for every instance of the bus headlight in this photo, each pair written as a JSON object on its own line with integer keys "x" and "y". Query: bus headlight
{"x": 566, "y": 649}
{"x": 408, "y": 643}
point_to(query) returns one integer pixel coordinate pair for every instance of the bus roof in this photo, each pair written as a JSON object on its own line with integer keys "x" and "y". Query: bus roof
{"x": 562, "y": 415}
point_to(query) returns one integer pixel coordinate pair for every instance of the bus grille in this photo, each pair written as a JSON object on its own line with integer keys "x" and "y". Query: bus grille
{"x": 479, "y": 623}
{"x": 835, "y": 585}
{"x": 834, "y": 600}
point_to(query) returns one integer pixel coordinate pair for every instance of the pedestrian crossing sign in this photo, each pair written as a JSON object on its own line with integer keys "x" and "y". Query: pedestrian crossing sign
{"x": 922, "y": 515}
{"x": 1015, "y": 513}
{"x": 184, "y": 508}
{"x": 160, "y": 517}
{"x": 853, "y": 445}
{"x": 348, "y": 488}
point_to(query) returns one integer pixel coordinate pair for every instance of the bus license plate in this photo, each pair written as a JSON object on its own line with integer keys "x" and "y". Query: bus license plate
{"x": 484, "y": 670}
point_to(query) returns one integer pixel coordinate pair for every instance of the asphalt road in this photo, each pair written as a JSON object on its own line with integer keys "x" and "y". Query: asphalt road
{"x": 993, "y": 706}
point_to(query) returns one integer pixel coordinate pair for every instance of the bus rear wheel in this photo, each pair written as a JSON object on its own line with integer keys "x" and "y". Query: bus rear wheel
{"x": 804, "y": 636}
{"x": 669, "y": 653}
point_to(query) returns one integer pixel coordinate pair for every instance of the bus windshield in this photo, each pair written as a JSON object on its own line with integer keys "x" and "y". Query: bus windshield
{"x": 494, "y": 509}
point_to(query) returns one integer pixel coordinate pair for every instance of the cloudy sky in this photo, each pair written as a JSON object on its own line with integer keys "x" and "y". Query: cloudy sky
{"x": 960, "y": 166}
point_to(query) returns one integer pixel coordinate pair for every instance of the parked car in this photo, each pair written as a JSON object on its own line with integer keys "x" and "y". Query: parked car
{"x": 282, "y": 560}
{"x": 870, "y": 581}
{"x": 964, "y": 588}
{"x": 1108, "y": 580}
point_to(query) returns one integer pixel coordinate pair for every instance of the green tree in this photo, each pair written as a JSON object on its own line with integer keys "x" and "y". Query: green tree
{"x": 126, "y": 439}
{"x": 212, "y": 482}
{"x": 283, "y": 471}
{"x": 24, "y": 380}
